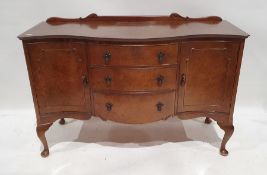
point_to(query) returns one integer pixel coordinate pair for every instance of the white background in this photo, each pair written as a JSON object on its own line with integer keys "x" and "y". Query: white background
{"x": 17, "y": 129}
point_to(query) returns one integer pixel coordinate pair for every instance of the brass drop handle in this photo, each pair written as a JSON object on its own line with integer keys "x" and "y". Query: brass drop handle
{"x": 108, "y": 80}
{"x": 107, "y": 57}
{"x": 85, "y": 80}
{"x": 109, "y": 106}
{"x": 159, "y": 106}
{"x": 183, "y": 80}
{"x": 161, "y": 57}
{"x": 160, "y": 80}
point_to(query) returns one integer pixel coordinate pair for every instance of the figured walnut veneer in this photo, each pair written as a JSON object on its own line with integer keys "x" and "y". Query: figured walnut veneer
{"x": 134, "y": 69}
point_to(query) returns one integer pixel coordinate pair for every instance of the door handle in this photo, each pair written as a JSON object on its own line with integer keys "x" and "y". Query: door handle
{"x": 183, "y": 80}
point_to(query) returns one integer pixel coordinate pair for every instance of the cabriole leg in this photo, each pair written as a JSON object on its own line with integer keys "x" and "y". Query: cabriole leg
{"x": 228, "y": 132}
{"x": 41, "y": 129}
{"x": 208, "y": 120}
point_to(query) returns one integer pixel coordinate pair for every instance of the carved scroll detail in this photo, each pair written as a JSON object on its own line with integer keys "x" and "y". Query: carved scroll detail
{"x": 176, "y": 16}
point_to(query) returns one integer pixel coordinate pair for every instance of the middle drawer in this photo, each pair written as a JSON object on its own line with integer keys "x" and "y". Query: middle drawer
{"x": 133, "y": 79}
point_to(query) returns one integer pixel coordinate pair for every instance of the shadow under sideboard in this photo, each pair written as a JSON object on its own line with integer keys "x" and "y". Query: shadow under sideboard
{"x": 132, "y": 136}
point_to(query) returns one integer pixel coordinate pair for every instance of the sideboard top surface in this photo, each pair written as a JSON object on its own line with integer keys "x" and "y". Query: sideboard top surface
{"x": 132, "y": 28}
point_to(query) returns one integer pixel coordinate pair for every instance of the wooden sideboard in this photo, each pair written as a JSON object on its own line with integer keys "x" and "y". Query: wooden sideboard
{"x": 134, "y": 69}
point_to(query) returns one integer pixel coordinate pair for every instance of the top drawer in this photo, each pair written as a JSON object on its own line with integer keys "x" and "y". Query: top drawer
{"x": 132, "y": 55}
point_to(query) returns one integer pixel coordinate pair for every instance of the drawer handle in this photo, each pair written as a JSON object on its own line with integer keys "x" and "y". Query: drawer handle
{"x": 161, "y": 57}
{"x": 107, "y": 57}
{"x": 159, "y": 106}
{"x": 108, "y": 80}
{"x": 183, "y": 80}
{"x": 109, "y": 106}
{"x": 160, "y": 80}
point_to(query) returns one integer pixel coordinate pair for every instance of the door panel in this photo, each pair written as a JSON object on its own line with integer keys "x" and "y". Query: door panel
{"x": 58, "y": 69}
{"x": 207, "y": 76}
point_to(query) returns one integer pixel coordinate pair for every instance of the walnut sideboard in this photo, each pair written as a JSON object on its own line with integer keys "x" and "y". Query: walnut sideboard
{"x": 134, "y": 69}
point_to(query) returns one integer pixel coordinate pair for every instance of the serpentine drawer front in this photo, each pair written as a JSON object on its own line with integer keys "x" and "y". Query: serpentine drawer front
{"x": 133, "y": 55}
{"x": 134, "y": 69}
{"x": 137, "y": 108}
{"x": 133, "y": 79}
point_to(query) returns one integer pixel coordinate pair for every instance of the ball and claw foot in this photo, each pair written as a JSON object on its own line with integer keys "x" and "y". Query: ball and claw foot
{"x": 62, "y": 121}
{"x": 208, "y": 120}
{"x": 45, "y": 153}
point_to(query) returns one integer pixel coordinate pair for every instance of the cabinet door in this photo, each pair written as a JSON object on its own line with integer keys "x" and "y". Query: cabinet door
{"x": 207, "y": 72}
{"x": 58, "y": 69}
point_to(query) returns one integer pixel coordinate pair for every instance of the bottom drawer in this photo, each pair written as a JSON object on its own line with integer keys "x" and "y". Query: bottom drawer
{"x": 137, "y": 108}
